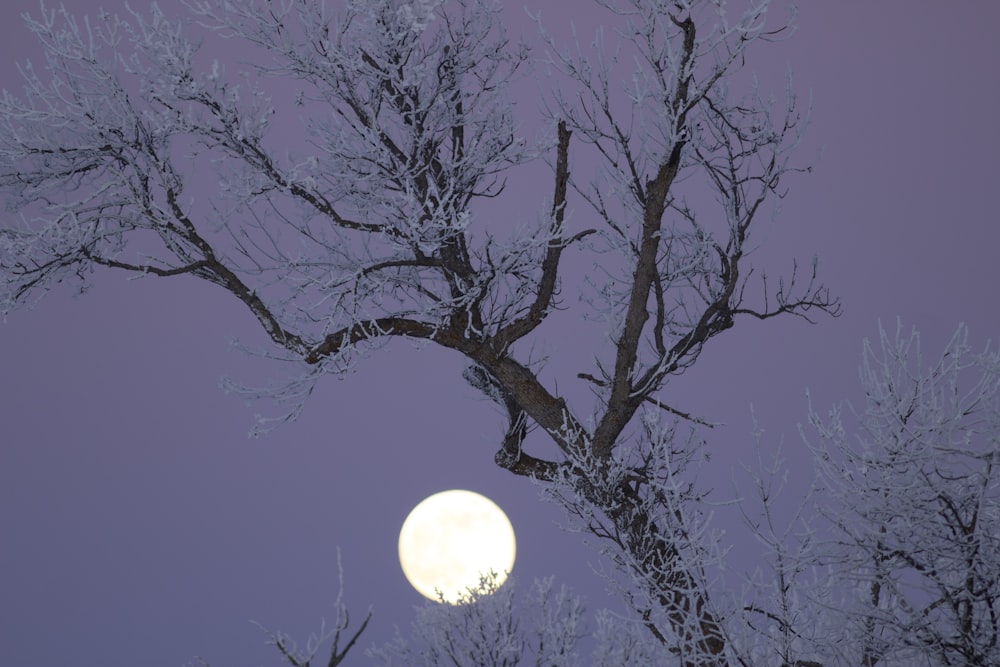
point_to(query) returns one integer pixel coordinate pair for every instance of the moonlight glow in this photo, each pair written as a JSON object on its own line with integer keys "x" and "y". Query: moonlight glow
{"x": 450, "y": 539}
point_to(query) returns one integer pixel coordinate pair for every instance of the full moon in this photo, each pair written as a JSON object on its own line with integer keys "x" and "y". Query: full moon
{"x": 452, "y": 538}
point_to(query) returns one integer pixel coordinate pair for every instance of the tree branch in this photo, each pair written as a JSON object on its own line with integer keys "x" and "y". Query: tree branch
{"x": 550, "y": 265}
{"x": 376, "y": 328}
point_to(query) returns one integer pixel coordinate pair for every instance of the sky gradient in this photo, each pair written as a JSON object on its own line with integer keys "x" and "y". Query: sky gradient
{"x": 140, "y": 525}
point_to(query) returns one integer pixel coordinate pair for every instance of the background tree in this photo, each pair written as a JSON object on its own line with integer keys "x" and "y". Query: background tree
{"x": 375, "y": 227}
{"x": 913, "y": 506}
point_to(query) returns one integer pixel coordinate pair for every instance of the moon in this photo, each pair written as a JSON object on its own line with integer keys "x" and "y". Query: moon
{"x": 452, "y": 538}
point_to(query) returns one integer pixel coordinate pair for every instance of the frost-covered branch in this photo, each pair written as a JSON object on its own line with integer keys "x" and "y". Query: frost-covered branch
{"x": 914, "y": 505}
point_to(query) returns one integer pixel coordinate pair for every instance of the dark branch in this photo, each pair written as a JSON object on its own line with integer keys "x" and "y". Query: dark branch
{"x": 382, "y": 326}
{"x": 337, "y": 656}
{"x": 192, "y": 268}
{"x": 550, "y": 265}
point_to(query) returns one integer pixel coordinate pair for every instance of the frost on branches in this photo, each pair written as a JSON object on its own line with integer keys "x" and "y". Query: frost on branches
{"x": 380, "y": 219}
{"x": 913, "y": 502}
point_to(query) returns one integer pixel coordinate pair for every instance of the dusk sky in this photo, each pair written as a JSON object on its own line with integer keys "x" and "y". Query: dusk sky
{"x": 139, "y": 525}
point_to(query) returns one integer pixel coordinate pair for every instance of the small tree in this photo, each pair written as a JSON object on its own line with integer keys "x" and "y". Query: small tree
{"x": 376, "y": 225}
{"x": 487, "y": 626}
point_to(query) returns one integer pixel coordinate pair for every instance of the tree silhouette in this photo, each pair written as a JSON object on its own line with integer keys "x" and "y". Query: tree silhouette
{"x": 377, "y": 224}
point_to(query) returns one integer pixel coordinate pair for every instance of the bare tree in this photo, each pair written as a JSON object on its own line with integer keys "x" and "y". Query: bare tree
{"x": 375, "y": 226}
{"x": 913, "y": 503}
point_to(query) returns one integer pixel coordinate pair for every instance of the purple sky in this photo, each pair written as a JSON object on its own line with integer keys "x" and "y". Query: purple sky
{"x": 139, "y": 525}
